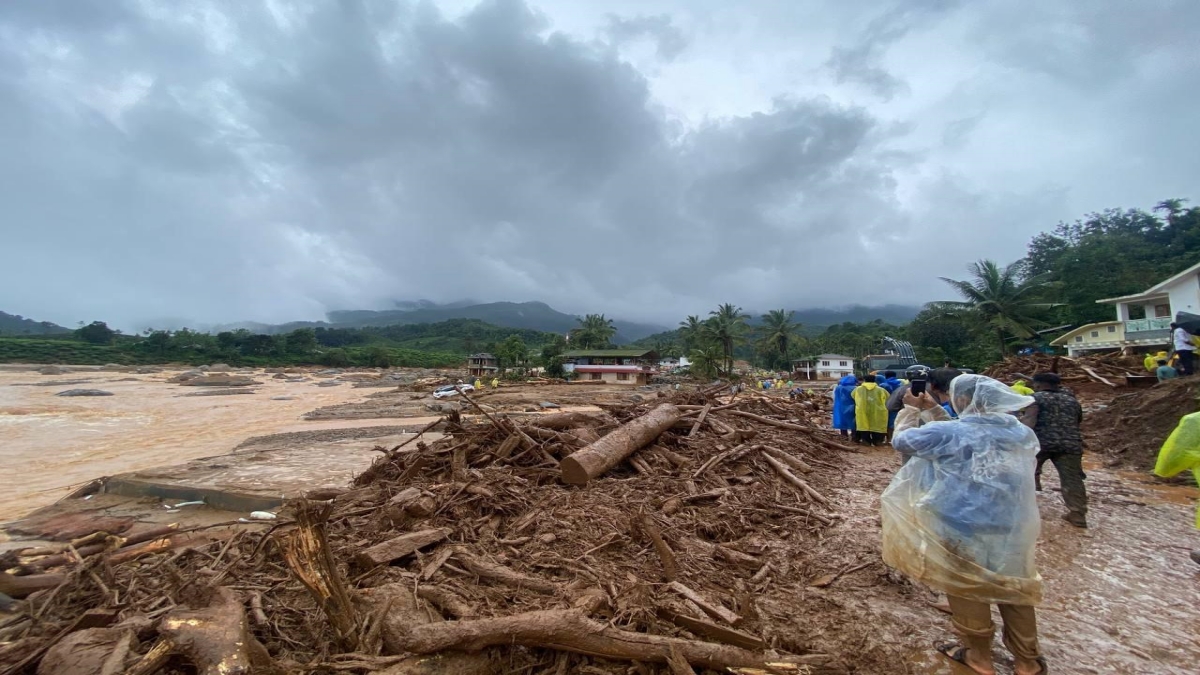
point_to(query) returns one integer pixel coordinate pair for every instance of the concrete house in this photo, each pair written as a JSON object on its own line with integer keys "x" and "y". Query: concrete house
{"x": 483, "y": 365}
{"x": 1146, "y": 317}
{"x": 825, "y": 367}
{"x": 612, "y": 366}
{"x": 1104, "y": 336}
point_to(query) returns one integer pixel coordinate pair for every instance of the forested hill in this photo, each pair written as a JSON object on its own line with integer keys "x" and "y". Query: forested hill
{"x": 15, "y": 324}
{"x": 535, "y": 316}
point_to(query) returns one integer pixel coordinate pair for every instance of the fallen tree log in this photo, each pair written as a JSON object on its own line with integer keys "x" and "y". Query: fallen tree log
{"x": 561, "y": 421}
{"x": 713, "y": 609}
{"x": 604, "y": 454}
{"x": 393, "y": 549}
{"x": 570, "y": 630}
{"x": 504, "y": 575}
{"x": 791, "y": 478}
{"x": 22, "y": 587}
{"x": 215, "y": 639}
{"x": 309, "y": 558}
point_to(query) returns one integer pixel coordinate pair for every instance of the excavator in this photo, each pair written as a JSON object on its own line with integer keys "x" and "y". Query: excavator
{"x": 898, "y": 355}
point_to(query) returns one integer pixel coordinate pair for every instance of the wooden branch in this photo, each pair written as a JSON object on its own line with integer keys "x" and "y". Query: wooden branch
{"x": 393, "y": 549}
{"x": 569, "y": 630}
{"x": 561, "y": 421}
{"x": 791, "y": 460}
{"x": 804, "y": 512}
{"x": 448, "y": 601}
{"x": 604, "y": 454}
{"x": 504, "y": 575}
{"x": 665, "y": 555}
{"x": 700, "y": 419}
{"x": 716, "y": 610}
{"x": 153, "y": 660}
{"x": 23, "y": 587}
{"x": 769, "y": 421}
{"x": 711, "y": 630}
{"x": 791, "y": 478}
{"x": 435, "y": 563}
{"x": 309, "y": 558}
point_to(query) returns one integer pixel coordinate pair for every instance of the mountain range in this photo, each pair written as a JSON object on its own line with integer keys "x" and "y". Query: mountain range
{"x": 15, "y": 324}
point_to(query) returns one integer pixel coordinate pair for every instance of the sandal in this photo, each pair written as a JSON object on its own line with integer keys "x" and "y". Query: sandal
{"x": 956, "y": 653}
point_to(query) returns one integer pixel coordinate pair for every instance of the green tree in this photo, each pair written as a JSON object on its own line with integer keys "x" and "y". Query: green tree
{"x": 301, "y": 341}
{"x": 512, "y": 353}
{"x": 691, "y": 332}
{"x": 379, "y": 356}
{"x": 552, "y": 359}
{"x": 97, "y": 333}
{"x": 727, "y": 326}
{"x": 777, "y": 337}
{"x": 335, "y": 358}
{"x": 594, "y": 332}
{"x": 159, "y": 342}
{"x": 706, "y": 362}
{"x": 1003, "y": 300}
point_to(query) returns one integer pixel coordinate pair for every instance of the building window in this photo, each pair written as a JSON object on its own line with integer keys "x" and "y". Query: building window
{"x": 824, "y": 363}
{"x": 1161, "y": 311}
{"x": 1112, "y": 329}
{"x": 842, "y": 364}
{"x": 622, "y": 376}
{"x": 1095, "y": 333}
{"x": 1079, "y": 338}
{"x": 597, "y": 376}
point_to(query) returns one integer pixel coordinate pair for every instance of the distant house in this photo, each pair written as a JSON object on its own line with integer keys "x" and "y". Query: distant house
{"x": 615, "y": 366}
{"x": 1146, "y": 317}
{"x": 483, "y": 365}
{"x": 671, "y": 363}
{"x": 824, "y": 367}
{"x": 1103, "y": 336}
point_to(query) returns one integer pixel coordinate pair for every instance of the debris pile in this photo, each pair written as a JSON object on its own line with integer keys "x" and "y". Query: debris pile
{"x": 1132, "y": 428}
{"x": 672, "y": 534}
{"x": 1109, "y": 369}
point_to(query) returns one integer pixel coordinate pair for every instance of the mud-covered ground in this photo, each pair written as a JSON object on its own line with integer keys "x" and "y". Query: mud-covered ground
{"x": 1120, "y": 597}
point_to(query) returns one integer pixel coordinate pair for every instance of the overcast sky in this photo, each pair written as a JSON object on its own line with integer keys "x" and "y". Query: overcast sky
{"x": 239, "y": 160}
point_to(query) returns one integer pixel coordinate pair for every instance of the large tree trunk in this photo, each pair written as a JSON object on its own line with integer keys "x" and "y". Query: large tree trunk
{"x": 569, "y": 630}
{"x": 607, "y": 452}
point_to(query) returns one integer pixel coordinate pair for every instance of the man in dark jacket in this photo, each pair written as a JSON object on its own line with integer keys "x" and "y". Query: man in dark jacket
{"x": 1056, "y": 418}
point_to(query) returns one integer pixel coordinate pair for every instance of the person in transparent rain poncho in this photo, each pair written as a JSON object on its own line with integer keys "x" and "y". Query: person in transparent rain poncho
{"x": 962, "y": 516}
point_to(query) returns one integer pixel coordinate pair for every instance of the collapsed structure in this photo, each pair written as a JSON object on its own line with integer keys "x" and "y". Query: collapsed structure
{"x": 677, "y": 532}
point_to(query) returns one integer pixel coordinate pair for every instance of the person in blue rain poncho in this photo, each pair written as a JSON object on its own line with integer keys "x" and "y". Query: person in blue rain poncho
{"x": 843, "y": 405}
{"x": 891, "y": 383}
{"x": 962, "y": 516}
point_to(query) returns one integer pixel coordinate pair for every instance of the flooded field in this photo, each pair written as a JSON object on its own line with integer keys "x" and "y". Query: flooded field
{"x": 51, "y": 443}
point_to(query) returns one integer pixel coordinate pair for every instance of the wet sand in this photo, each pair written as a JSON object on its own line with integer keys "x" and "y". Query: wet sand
{"x": 52, "y": 443}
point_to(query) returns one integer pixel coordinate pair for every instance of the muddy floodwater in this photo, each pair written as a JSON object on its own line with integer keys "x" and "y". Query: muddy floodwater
{"x": 49, "y": 443}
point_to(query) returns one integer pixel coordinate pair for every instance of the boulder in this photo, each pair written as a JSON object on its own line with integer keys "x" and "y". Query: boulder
{"x": 220, "y": 381}
{"x": 329, "y": 383}
{"x": 53, "y": 370}
{"x": 549, "y": 406}
{"x": 84, "y": 392}
{"x": 89, "y": 651}
{"x": 219, "y": 368}
{"x": 283, "y": 398}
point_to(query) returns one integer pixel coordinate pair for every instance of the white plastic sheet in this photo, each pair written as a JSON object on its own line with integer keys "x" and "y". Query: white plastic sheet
{"x": 962, "y": 516}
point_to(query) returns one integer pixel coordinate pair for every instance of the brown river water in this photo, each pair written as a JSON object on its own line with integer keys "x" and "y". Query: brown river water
{"x": 51, "y": 443}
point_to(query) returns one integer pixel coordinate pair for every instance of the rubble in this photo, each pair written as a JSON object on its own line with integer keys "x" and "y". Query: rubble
{"x": 698, "y": 510}
{"x": 1109, "y": 369}
{"x": 1131, "y": 429}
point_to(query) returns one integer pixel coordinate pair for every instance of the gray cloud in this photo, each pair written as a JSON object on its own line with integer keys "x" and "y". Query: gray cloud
{"x": 275, "y": 160}
{"x": 669, "y": 40}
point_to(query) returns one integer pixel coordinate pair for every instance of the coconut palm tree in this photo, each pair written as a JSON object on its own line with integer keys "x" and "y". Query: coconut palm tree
{"x": 1001, "y": 299}
{"x": 706, "y": 362}
{"x": 691, "y": 331}
{"x": 594, "y": 332}
{"x": 778, "y": 335}
{"x": 727, "y": 325}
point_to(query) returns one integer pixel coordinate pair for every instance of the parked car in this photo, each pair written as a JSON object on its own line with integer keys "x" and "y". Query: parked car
{"x": 452, "y": 390}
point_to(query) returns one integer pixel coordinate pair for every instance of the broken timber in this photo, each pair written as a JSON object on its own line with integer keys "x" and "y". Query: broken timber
{"x": 398, "y": 547}
{"x": 604, "y": 454}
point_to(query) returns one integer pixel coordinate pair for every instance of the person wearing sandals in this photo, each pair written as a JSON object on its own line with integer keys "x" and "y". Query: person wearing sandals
{"x": 962, "y": 516}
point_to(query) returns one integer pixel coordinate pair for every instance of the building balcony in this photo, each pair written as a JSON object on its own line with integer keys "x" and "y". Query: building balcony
{"x": 1148, "y": 329}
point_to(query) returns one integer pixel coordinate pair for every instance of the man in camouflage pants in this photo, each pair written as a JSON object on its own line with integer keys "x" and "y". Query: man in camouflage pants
{"x": 1055, "y": 418}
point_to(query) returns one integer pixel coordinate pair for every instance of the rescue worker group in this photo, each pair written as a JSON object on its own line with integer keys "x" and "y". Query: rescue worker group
{"x": 961, "y": 515}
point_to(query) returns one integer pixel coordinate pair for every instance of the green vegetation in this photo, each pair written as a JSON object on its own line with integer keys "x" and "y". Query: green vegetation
{"x": 594, "y": 332}
{"x": 15, "y": 324}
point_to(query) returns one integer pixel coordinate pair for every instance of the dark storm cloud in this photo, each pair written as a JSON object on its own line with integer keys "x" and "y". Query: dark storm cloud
{"x": 273, "y": 160}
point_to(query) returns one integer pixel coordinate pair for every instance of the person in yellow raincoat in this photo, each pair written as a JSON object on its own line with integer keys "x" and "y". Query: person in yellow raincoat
{"x": 1181, "y": 452}
{"x": 478, "y": 384}
{"x": 1021, "y": 388}
{"x": 495, "y": 383}
{"x": 870, "y": 412}
{"x": 1152, "y": 359}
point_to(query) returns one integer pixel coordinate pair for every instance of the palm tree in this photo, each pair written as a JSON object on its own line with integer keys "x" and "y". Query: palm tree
{"x": 778, "y": 334}
{"x": 706, "y": 362}
{"x": 1000, "y": 299}
{"x": 727, "y": 325}
{"x": 594, "y": 332}
{"x": 690, "y": 331}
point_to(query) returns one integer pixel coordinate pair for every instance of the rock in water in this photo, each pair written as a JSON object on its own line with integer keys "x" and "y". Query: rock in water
{"x": 548, "y": 405}
{"x": 84, "y": 392}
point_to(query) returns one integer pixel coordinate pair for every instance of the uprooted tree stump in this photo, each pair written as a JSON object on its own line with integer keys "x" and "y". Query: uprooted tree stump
{"x": 604, "y": 454}
{"x": 306, "y": 550}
